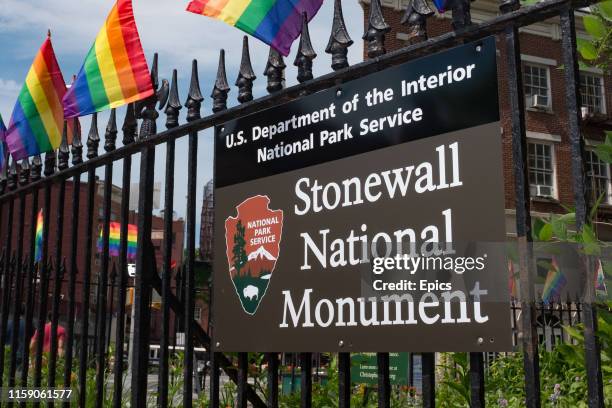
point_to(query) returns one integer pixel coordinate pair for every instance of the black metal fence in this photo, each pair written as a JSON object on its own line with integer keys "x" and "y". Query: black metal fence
{"x": 67, "y": 265}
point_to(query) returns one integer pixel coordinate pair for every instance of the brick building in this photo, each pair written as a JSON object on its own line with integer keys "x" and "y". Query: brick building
{"x": 546, "y": 116}
{"x": 98, "y": 213}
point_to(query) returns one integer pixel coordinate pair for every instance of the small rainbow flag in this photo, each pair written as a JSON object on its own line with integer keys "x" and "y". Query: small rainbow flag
{"x": 275, "y": 22}
{"x": 600, "y": 279}
{"x": 37, "y": 121}
{"x": 115, "y": 71}
{"x": 554, "y": 284}
{"x": 115, "y": 237}
{"x": 39, "y": 237}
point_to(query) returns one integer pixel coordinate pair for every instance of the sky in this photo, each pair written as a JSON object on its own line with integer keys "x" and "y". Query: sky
{"x": 166, "y": 28}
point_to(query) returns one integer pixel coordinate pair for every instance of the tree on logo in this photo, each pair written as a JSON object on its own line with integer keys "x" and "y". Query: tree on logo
{"x": 239, "y": 253}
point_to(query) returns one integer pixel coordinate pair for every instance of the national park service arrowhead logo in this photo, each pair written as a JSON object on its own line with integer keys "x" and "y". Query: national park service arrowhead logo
{"x": 252, "y": 241}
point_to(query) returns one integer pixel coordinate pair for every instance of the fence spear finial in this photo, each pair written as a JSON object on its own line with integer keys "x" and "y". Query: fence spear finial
{"x": 12, "y": 175}
{"x": 36, "y": 169}
{"x": 77, "y": 145}
{"x": 221, "y": 88}
{"x": 506, "y": 6}
{"x": 339, "y": 40}
{"x": 63, "y": 154}
{"x": 194, "y": 98}
{"x": 174, "y": 103}
{"x": 50, "y": 161}
{"x": 461, "y": 14}
{"x": 305, "y": 53}
{"x": 415, "y": 17}
{"x": 93, "y": 138}
{"x": 246, "y": 75}
{"x": 376, "y": 31}
{"x": 130, "y": 125}
{"x": 275, "y": 71}
{"x": 145, "y": 109}
{"x": 24, "y": 174}
{"x": 110, "y": 136}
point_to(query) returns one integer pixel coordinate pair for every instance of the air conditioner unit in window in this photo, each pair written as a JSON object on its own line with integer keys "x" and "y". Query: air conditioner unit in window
{"x": 541, "y": 191}
{"x": 538, "y": 102}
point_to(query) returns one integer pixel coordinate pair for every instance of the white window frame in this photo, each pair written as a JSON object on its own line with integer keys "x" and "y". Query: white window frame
{"x": 598, "y": 74}
{"x": 608, "y": 199}
{"x": 530, "y": 62}
{"x": 553, "y": 161}
{"x": 197, "y": 311}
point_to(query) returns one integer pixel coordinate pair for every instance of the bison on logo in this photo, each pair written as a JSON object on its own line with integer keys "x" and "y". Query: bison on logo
{"x": 252, "y": 241}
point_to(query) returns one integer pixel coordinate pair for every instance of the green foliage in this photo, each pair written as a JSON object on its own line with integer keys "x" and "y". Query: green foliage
{"x": 562, "y": 373}
{"x": 454, "y": 387}
{"x": 597, "y": 50}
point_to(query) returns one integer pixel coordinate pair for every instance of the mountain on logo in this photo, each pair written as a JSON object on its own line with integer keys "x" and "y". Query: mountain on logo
{"x": 261, "y": 253}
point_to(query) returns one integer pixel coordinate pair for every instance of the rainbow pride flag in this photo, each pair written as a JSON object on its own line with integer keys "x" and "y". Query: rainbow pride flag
{"x": 114, "y": 240}
{"x": 554, "y": 284}
{"x": 115, "y": 71}
{"x": 38, "y": 119}
{"x": 275, "y": 22}
{"x": 39, "y": 237}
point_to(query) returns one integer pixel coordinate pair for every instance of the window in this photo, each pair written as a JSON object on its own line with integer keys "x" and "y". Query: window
{"x": 197, "y": 313}
{"x": 537, "y": 86}
{"x": 592, "y": 92}
{"x": 541, "y": 170}
{"x": 598, "y": 177}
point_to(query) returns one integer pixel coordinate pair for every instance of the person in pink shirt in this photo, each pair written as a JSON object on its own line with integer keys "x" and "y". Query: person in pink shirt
{"x": 61, "y": 337}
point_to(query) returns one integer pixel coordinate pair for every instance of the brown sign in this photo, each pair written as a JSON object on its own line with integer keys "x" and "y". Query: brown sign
{"x": 361, "y": 252}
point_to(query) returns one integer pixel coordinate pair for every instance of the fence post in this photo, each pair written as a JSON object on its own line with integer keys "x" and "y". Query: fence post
{"x": 20, "y": 270}
{"x": 428, "y": 365}
{"x": 77, "y": 158}
{"x": 514, "y": 82}
{"x": 384, "y": 382}
{"x": 272, "y": 380}
{"x": 243, "y": 375}
{"x": 193, "y": 104}
{"x": 306, "y": 380}
{"x": 172, "y": 113}
{"x": 35, "y": 172}
{"x": 143, "y": 287}
{"x": 60, "y": 265}
{"x": 572, "y": 100}
{"x": 46, "y": 267}
{"x": 477, "y": 387}
{"x": 4, "y": 290}
{"x": 344, "y": 380}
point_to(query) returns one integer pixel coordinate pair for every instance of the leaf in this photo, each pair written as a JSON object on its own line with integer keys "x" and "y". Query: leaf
{"x": 546, "y": 232}
{"x": 594, "y": 26}
{"x": 605, "y": 8}
{"x": 589, "y": 241}
{"x": 559, "y": 228}
{"x": 538, "y": 223}
{"x": 586, "y": 49}
{"x": 595, "y": 208}
{"x": 569, "y": 218}
{"x": 604, "y": 152}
